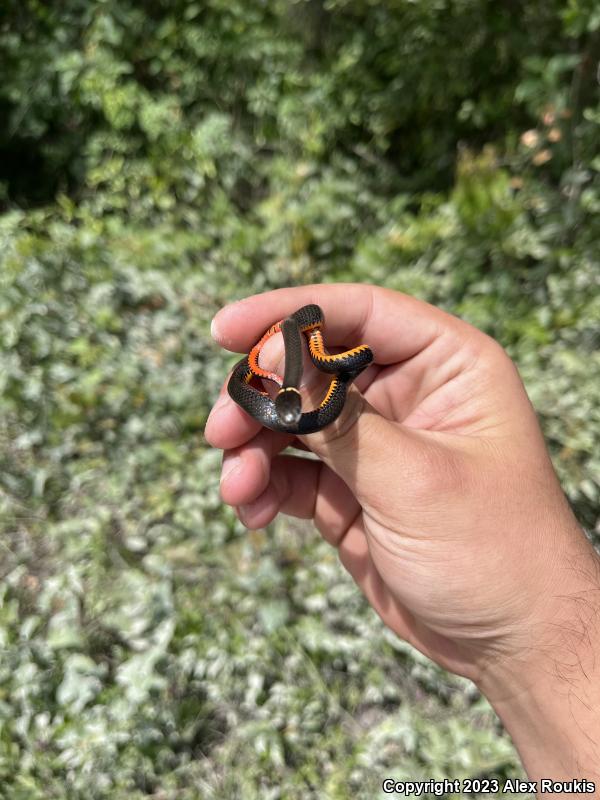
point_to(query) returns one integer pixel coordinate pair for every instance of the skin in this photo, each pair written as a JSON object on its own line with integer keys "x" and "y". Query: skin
{"x": 436, "y": 488}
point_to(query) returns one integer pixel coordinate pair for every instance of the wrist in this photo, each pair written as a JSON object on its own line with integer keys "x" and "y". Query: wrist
{"x": 547, "y": 691}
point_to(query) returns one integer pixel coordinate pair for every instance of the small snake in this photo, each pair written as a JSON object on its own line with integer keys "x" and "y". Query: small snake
{"x": 285, "y": 412}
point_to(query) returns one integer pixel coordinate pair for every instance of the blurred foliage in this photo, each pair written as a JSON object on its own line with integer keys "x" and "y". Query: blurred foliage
{"x": 157, "y": 161}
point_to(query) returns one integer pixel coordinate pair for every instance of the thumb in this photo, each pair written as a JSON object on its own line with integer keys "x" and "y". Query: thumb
{"x": 381, "y": 460}
{"x": 378, "y": 458}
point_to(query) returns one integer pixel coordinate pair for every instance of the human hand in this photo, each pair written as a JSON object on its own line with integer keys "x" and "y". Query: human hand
{"x": 434, "y": 483}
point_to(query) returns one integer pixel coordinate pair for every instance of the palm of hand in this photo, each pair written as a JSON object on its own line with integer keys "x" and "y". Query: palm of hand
{"x": 452, "y": 488}
{"x": 421, "y": 561}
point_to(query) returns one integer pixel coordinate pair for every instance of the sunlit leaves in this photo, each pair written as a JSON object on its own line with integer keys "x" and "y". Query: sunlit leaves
{"x": 159, "y": 161}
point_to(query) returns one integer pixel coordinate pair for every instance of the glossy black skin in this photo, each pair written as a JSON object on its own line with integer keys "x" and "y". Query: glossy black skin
{"x": 289, "y": 407}
{"x": 289, "y": 403}
{"x": 263, "y": 408}
{"x": 284, "y": 413}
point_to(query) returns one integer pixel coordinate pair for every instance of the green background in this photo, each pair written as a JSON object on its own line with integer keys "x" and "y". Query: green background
{"x": 158, "y": 160}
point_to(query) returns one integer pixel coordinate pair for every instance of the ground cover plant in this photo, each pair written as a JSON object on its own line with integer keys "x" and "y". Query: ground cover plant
{"x": 158, "y": 160}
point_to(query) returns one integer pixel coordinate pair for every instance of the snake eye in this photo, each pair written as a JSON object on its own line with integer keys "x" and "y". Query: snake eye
{"x": 288, "y": 407}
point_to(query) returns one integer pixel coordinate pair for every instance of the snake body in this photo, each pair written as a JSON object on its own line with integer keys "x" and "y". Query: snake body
{"x": 284, "y": 414}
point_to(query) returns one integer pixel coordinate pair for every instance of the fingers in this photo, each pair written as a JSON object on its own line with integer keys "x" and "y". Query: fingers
{"x": 399, "y": 329}
{"x": 394, "y": 325}
{"x": 246, "y": 469}
{"x": 369, "y": 458}
{"x": 306, "y": 489}
{"x": 370, "y": 453}
{"x": 228, "y": 426}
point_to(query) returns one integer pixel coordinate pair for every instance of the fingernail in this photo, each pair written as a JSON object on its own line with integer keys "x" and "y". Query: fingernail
{"x": 231, "y": 465}
{"x": 254, "y": 508}
{"x": 244, "y": 512}
{"x": 221, "y": 402}
{"x": 214, "y": 329}
{"x": 214, "y": 413}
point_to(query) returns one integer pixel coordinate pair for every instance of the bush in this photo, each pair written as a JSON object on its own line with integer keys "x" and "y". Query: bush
{"x": 156, "y": 163}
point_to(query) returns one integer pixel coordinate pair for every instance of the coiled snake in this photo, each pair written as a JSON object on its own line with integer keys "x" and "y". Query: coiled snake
{"x": 284, "y": 413}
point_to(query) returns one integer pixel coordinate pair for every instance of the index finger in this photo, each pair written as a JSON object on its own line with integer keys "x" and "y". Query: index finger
{"x": 395, "y": 325}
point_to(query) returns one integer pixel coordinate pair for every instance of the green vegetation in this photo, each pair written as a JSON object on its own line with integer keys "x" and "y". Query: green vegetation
{"x": 158, "y": 160}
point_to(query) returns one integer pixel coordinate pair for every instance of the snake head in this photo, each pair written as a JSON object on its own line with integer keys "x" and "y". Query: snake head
{"x": 288, "y": 405}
